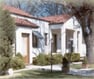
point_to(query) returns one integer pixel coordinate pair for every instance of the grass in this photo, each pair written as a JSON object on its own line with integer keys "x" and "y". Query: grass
{"x": 79, "y": 66}
{"x": 45, "y": 74}
{"x": 91, "y": 66}
{"x": 76, "y": 66}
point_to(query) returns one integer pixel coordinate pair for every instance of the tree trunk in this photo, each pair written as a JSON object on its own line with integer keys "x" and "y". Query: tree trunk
{"x": 86, "y": 21}
{"x": 90, "y": 49}
{"x": 65, "y": 65}
{"x": 90, "y": 46}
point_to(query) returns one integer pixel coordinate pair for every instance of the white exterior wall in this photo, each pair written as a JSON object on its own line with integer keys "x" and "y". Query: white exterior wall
{"x": 72, "y": 24}
{"x": 43, "y": 28}
{"x": 19, "y": 43}
{"x": 69, "y": 25}
{"x": 82, "y": 46}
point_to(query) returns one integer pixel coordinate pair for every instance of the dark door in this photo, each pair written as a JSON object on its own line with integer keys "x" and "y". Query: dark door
{"x": 54, "y": 43}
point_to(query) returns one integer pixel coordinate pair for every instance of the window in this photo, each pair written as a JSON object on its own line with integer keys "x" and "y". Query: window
{"x": 34, "y": 41}
{"x": 45, "y": 38}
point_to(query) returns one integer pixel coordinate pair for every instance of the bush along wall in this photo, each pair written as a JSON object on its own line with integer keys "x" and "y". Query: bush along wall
{"x": 72, "y": 57}
{"x": 45, "y": 59}
{"x": 17, "y": 62}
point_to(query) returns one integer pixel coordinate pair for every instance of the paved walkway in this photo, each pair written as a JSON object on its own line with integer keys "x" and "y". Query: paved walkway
{"x": 81, "y": 72}
{"x": 34, "y": 67}
{"x": 54, "y": 67}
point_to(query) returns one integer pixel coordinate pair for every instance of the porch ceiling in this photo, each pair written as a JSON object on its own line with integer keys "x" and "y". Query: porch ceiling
{"x": 56, "y": 30}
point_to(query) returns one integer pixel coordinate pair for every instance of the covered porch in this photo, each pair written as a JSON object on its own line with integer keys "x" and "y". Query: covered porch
{"x": 65, "y": 40}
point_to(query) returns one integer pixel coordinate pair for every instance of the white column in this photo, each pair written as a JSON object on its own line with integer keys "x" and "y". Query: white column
{"x": 63, "y": 41}
{"x": 50, "y": 40}
{"x": 75, "y": 41}
{"x": 80, "y": 43}
{"x": 31, "y": 49}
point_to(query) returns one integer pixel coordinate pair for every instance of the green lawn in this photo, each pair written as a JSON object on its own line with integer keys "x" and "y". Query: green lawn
{"x": 76, "y": 66}
{"x": 79, "y": 66}
{"x": 44, "y": 74}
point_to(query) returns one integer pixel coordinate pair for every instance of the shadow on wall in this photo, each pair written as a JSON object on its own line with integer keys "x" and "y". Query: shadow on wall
{"x": 40, "y": 48}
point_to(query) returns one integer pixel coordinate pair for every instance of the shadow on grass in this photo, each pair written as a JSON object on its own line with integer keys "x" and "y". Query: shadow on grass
{"x": 44, "y": 74}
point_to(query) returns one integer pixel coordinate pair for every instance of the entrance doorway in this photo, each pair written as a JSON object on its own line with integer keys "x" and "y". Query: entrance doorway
{"x": 25, "y": 41}
{"x": 54, "y": 43}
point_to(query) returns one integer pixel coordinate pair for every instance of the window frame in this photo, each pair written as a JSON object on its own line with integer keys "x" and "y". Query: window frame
{"x": 34, "y": 41}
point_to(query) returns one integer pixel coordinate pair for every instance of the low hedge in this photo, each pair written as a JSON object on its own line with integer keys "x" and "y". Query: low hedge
{"x": 17, "y": 62}
{"x": 45, "y": 59}
{"x": 19, "y": 55}
{"x": 72, "y": 57}
{"x": 84, "y": 61}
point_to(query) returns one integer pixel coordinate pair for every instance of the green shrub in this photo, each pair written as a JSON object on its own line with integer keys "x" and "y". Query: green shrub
{"x": 3, "y": 62}
{"x": 17, "y": 62}
{"x": 45, "y": 59}
{"x": 35, "y": 60}
{"x": 57, "y": 58}
{"x": 41, "y": 59}
{"x": 19, "y": 55}
{"x": 84, "y": 61}
{"x": 72, "y": 57}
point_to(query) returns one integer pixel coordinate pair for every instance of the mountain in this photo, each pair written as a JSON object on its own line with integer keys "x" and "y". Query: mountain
{"x": 39, "y": 8}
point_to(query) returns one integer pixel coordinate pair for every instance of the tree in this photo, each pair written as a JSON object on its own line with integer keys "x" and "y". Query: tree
{"x": 7, "y": 36}
{"x": 84, "y": 12}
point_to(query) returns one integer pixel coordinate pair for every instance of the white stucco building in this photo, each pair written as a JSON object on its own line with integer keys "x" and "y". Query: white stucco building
{"x": 43, "y": 35}
{"x": 64, "y": 30}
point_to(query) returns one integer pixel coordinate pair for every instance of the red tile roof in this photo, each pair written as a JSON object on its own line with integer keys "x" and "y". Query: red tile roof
{"x": 16, "y": 11}
{"x": 52, "y": 19}
{"x": 57, "y": 19}
{"x": 26, "y": 23}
